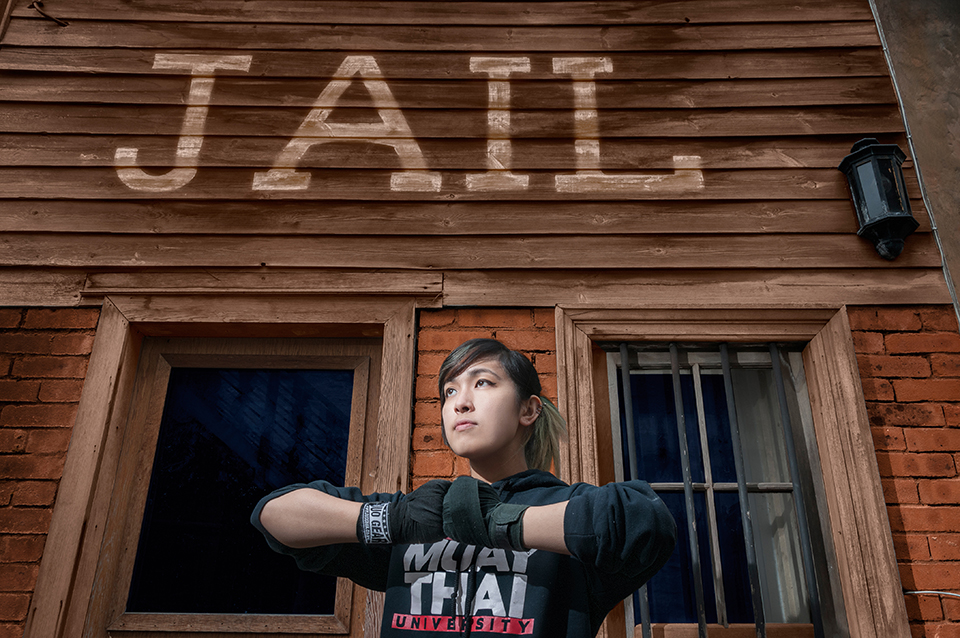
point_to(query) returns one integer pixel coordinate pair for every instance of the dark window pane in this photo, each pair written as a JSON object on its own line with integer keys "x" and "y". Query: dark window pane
{"x": 227, "y": 437}
{"x": 671, "y": 590}
{"x": 733, "y": 556}
{"x": 655, "y": 428}
{"x": 717, "y": 424}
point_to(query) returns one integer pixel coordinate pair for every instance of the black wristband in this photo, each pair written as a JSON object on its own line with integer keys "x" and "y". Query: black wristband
{"x": 373, "y": 524}
{"x": 505, "y": 526}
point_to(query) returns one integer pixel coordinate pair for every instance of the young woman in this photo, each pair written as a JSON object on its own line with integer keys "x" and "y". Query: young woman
{"x": 510, "y": 549}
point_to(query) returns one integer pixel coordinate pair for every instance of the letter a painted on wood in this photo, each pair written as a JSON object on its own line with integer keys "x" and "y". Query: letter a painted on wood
{"x": 392, "y": 131}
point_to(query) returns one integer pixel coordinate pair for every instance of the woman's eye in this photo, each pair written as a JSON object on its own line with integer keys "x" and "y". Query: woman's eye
{"x": 449, "y": 392}
{"x": 482, "y": 382}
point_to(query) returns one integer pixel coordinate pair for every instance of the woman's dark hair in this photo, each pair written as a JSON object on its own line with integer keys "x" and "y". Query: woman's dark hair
{"x": 542, "y": 446}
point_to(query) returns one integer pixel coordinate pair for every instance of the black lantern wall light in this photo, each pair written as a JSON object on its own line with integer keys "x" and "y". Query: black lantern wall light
{"x": 879, "y": 195}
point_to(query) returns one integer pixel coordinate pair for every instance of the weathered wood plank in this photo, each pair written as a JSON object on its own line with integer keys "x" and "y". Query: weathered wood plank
{"x": 729, "y": 288}
{"x": 440, "y": 253}
{"x": 252, "y": 37}
{"x": 446, "y": 218}
{"x": 224, "y": 624}
{"x": 566, "y": 392}
{"x": 26, "y": 287}
{"x": 782, "y": 63}
{"x": 617, "y": 288}
{"x": 734, "y": 324}
{"x": 224, "y": 183}
{"x": 733, "y": 630}
{"x": 485, "y": 13}
{"x": 528, "y": 154}
{"x": 77, "y": 523}
{"x": 339, "y": 282}
{"x": 6, "y": 8}
{"x": 21, "y": 117}
{"x": 577, "y": 397}
{"x": 180, "y": 315}
{"x": 867, "y": 562}
{"x": 472, "y": 94}
{"x": 395, "y": 418}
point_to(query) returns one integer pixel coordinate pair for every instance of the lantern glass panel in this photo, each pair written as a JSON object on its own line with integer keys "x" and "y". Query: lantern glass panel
{"x": 889, "y": 186}
{"x": 873, "y": 205}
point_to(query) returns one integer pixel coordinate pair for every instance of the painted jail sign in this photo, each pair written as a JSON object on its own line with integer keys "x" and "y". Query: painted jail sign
{"x": 391, "y": 129}
{"x": 534, "y": 153}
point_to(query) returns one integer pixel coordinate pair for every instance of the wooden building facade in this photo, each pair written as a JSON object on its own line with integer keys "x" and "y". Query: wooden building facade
{"x": 272, "y": 184}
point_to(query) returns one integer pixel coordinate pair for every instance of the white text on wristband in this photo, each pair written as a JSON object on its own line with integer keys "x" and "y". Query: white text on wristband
{"x": 375, "y": 523}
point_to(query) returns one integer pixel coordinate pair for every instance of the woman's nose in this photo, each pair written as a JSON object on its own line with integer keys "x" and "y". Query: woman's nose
{"x": 463, "y": 402}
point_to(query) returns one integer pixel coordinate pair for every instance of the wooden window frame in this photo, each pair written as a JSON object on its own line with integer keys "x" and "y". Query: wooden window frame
{"x": 121, "y": 535}
{"x": 865, "y": 559}
{"x": 67, "y": 588}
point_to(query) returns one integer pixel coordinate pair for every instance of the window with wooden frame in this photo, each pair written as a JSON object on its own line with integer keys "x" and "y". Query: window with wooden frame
{"x": 723, "y": 434}
{"x": 858, "y": 573}
{"x": 214, "y": 425}
{"x": 175, "y": 402}
{"x": 229, "y": 432}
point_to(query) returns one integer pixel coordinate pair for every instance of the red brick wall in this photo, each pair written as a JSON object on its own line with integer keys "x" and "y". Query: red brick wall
{"x": 530, "y": 331}
{"x": 43, "y": 359}
{"x": 910, "y": 370}
{"x": 910, "y": 367}
{"x": 909, "y": 361}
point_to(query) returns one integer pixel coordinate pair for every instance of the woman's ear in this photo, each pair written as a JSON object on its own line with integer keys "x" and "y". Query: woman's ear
{"x": 530, "y": 410}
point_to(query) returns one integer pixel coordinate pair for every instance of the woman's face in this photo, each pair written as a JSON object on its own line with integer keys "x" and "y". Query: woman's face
{"x": 483, "y": 418}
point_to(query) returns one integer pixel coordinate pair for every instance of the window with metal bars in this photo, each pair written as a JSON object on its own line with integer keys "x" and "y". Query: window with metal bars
{"x": 722, "y": 434}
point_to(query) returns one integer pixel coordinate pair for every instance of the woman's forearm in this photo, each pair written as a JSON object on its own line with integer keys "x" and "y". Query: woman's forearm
{"x": 543, "y": 527}
{"x": 309, "y": 518}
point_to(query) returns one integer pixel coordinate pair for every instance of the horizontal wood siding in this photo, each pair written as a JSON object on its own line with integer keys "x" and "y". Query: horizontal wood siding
{"x": 639, "y": 65}
{"x": 653, "y": 153}
{"x": 717, "y": 124}
{"x": 480, "y": 13}
{"x": 336, "y": 217}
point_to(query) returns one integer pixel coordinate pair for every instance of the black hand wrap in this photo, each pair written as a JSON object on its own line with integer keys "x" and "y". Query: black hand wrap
{"x": 474, "y": 514}
{"x": 415, "y": 518}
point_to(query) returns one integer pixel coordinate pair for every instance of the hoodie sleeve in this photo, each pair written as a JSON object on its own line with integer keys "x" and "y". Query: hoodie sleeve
{"x": 622, "y": 533}
{"x": 364, "y": 565}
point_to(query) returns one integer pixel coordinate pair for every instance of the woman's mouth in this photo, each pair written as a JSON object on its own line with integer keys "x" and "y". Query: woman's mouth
{"x": 463, "y": 424}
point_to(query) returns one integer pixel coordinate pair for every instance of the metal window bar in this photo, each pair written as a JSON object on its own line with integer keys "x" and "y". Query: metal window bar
{"x": 805, "y": 547}
{"x": 632, "y": 460}
{"x": 714, "y": 536}
{"x": 688, "y": 492}
{"x": 628, "y": 408}
{"x": 753, "y": 570}
{"x": 753, "y": 488}
{"x": 742, "y": 488}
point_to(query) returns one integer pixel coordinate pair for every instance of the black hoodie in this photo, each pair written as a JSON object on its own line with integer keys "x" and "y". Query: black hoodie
{"x": 619, "y": 535}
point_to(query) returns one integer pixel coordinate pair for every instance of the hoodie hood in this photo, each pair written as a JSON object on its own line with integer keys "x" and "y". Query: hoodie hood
{"x": 533, "y": 487}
